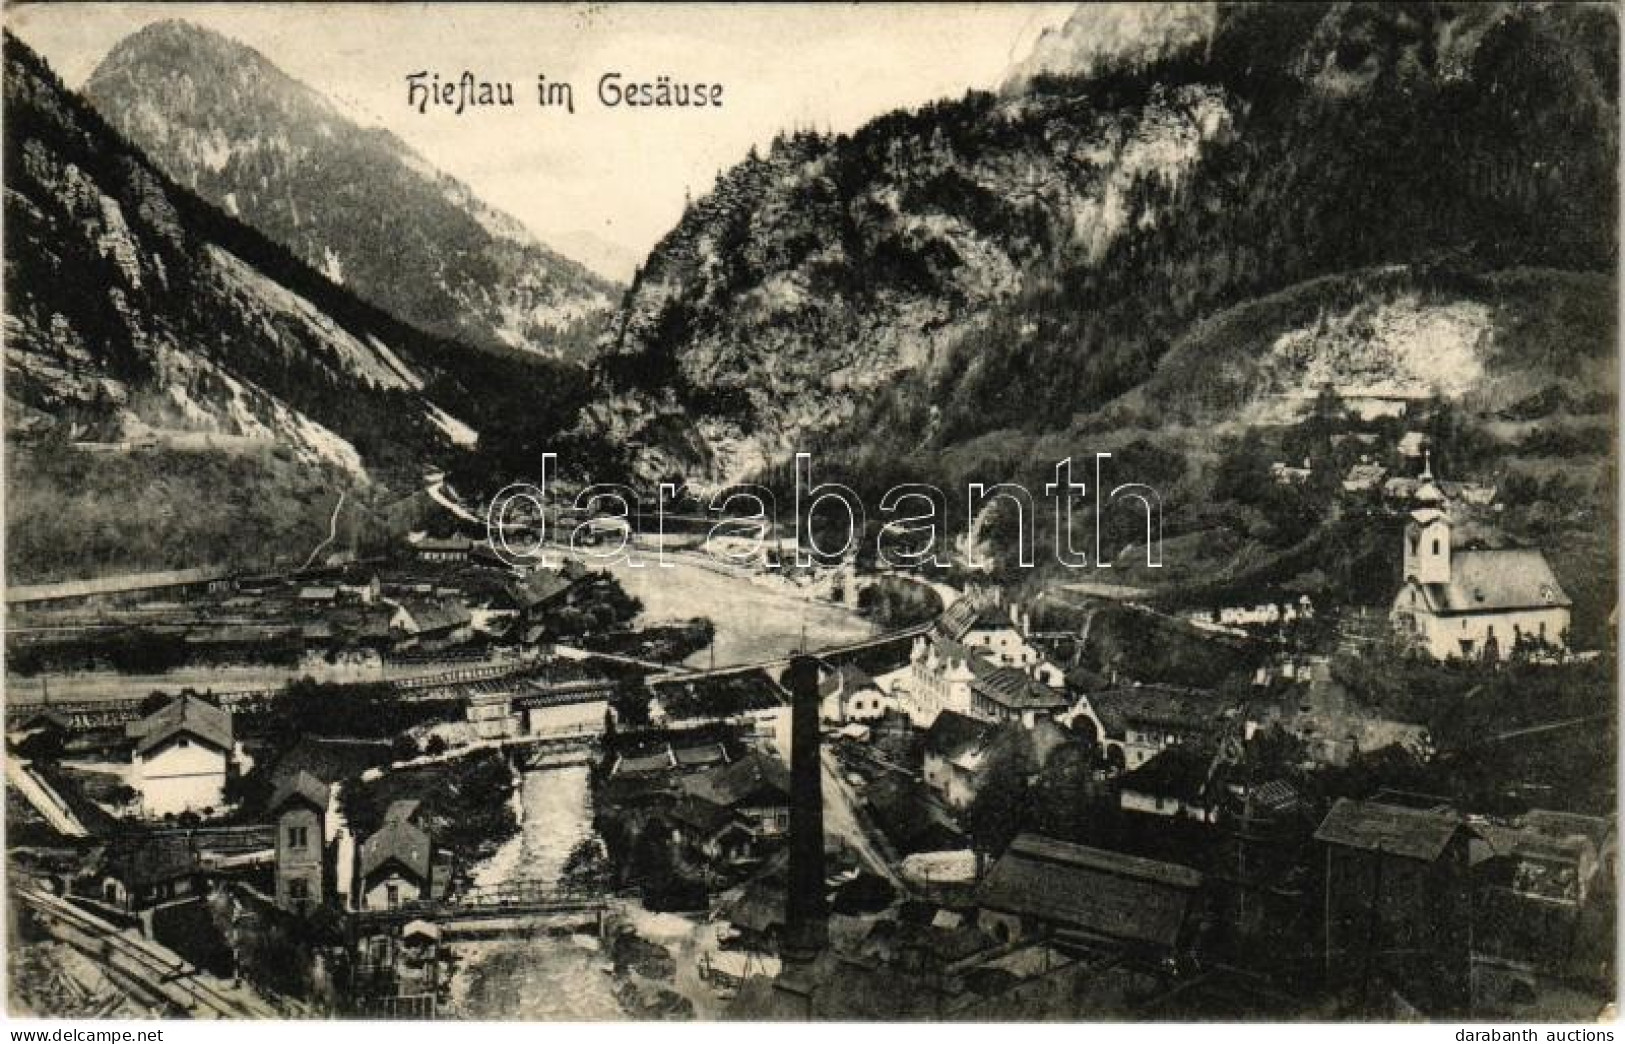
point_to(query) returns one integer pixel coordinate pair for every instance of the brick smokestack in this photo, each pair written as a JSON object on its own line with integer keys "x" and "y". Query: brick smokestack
{"x": 806, "y": 922}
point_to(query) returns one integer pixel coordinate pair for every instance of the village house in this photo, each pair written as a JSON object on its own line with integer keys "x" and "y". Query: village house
{"x": 397, "y": 862}
{"x": 941, "y": 671}
{"x": 318, "y": 595}
{"x": 1544, "y": 903}
{"x": 1284, "y": 474}
{"x": 183, "y": 757}
{"x": 951, "y": 739}
{"x": 847, "y": 694}
{"x": 302, "y": 855}
{"x": 712, "y": 834}
{"x": 1056, "y": 891}
{"x": 137, "y": 873}
{"x": 1398, "y": 901}
{"x": 755, "y": 790}
{"x": 1004, "y": 694}
{"x": 1174, "y": 783}
{"x": 1474, "y": 604}
{"x": 1364, "y": 477}
{"x": 1133, "y": 725}
{"x": 960, "y": 751}
{"x": 980, "y": 624}
{"x": 116, "y": 590}
{"x": 431, "y": 622}
{"x": 1412, "y": 448}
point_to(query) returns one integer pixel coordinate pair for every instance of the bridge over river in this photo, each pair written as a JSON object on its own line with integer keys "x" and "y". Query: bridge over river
{"x": 517, "y": 909}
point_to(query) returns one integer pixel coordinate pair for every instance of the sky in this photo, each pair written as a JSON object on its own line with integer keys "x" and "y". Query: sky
{"x": 602, "y": 185}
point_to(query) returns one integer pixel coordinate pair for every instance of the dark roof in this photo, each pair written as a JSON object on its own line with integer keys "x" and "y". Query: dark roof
{"x": 1369, "y": 826}
{"x": 113, "y": 585}
{"x": 1011, "y": 687}
{"x": 644, "y": 764}
{"x": 1179, "y": 771}
{"x": 539, "y": 587}
{"x": 187, "y": 715}
{"x": 300, "y": 786}
{"x": 701, "y": 755}
{"x": 953, "y": 732}
{"x": 402, "y": 810}
{"x": 146, "y": 861}
{"x": 756, "y": 777}
{"x": 431, "y": 616}
{"x": 845, "y": 679}
{"x": 400, "y": 842}
{"x": 1102, "y": 893}
{"x": 966, "y": 615}
{"x": 1483, "y": 581}
{"x": 451, "y": 543}
{"x": 330, "y": 760}
{"x": 1599, "y": 830}
{"x": 700, "y": 815}
{"x": 1185, "y": 710}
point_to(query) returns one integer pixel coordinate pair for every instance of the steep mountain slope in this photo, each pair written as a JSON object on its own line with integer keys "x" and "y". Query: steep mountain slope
{"x": 1020, "y": 263}
{"x": 810, "y": 279}
{"x": 139, "y": 319}
{"x": 354, "y": 202}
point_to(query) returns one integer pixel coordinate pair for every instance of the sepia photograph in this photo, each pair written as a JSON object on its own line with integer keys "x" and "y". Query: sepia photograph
{"x": 880, "y": 512}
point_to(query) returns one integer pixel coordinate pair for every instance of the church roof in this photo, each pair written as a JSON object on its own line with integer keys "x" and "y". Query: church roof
{"x": 1494, "y": 581}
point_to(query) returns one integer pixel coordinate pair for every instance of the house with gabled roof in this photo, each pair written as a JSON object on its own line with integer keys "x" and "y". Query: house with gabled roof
{"x": 396, "y": 864}
{"x": 847, "y": 693}
{"x": 1073, "y": 894}
{"x": 183, "y": 756}
{"x": 1398, "y": 901}
{"x": 1132, "y": 725}
{"x": 755, "y": 789}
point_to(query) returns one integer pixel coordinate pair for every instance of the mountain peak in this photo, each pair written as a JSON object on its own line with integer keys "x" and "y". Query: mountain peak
{"x": 349, "y": 199}
{"x": 1100, "y": 36}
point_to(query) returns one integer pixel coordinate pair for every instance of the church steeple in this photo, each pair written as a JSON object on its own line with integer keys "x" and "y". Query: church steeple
{"x": 1427, "y": 547}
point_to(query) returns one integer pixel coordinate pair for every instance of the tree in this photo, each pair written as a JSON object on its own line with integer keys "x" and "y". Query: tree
{"x": 1001, "y": 803}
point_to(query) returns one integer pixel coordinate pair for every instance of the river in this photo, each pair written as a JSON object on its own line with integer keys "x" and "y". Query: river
{"x": 542, "y": 977}
{"x": 756, "y": 619}
{"x": 566, "y": 978}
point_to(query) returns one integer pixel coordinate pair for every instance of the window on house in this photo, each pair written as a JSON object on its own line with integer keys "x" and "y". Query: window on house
{"x": 298, "y": 889}
{"x": 392, "y": 896}
{"x": 1435, "y": 545}
{"x": 298, "y": 836}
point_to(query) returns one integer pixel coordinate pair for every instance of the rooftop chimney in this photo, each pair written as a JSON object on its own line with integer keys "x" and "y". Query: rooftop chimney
{"x": 806, "y": 921}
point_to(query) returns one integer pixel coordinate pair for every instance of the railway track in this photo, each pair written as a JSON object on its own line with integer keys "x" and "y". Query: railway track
{"x": 152, "y": 974}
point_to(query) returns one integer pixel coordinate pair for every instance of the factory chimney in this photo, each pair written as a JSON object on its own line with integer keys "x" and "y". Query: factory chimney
{"x": 806, "y": 921}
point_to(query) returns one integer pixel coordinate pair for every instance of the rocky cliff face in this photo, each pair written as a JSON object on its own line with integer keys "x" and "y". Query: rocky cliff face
{"x": 1022, "y": 261}
{"x": 1101, "y": 36}
{"x": 812, "y": 277}
{"x": 355, "y": 203}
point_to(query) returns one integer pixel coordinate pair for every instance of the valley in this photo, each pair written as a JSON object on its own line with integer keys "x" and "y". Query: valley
{"x": 1309, "y": 312}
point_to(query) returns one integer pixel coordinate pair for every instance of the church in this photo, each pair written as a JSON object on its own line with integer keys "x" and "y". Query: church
{"x": 1474, "y": 604}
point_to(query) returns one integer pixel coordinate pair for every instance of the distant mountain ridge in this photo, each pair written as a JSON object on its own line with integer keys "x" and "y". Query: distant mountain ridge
{"x": 353, "y": 202}
{"x": 144, "y": 325}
